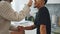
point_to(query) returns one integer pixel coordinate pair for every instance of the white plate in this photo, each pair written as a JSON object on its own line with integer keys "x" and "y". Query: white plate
{"x": 23, "y": 23}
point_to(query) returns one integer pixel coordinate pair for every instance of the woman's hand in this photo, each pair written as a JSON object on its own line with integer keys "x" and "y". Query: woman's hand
{"x": 30, "y": 3}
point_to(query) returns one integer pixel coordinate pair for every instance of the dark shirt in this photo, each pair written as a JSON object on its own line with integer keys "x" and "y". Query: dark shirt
{"x": 43, "y": 17}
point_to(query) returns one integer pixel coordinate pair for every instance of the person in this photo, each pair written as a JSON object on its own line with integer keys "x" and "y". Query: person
{"x": 7, "y": 14}
{"x": 42, "y": 21}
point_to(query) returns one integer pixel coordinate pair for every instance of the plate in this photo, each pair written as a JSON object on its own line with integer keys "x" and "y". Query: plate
{"x": 23, "y": 23}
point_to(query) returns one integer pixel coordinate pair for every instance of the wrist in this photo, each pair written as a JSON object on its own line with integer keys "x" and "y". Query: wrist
{"x": 28, "y": 5}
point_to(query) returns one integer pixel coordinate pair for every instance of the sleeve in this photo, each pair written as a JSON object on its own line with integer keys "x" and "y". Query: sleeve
{"x": 42, "y": 17}
{"x": 8, "y": 13}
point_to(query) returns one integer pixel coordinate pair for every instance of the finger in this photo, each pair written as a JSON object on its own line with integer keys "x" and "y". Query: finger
{"x": 30, "y": 1}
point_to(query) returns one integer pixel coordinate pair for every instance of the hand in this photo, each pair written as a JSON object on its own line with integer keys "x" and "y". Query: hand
{"x": 20, "y": 28}
{"x": 30, "y": 3}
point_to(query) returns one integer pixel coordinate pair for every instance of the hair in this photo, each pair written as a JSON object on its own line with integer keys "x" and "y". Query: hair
{"x": 45, "y": 1}
{"x": 0, "y": 0}
{"x": 9, "y": 0}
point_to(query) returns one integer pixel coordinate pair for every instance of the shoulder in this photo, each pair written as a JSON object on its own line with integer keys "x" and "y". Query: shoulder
{"x": 4, "y": 3}
{"x": 5, "y": 7}
{"x": 43, "y": 8}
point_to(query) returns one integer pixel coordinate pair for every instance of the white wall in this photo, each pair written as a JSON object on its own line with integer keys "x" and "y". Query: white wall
{"x": 53, "y": 1}
{"x": 19, "y": 4}
{"x": 30, "y": 31}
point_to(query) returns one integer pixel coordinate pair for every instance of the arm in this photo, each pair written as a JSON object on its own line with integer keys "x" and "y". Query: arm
{"x": 43, "y": 29}
{"x": 8, "y": 13}
{"x": 30, "y": 27}
{"x": 26, "y": 28}
{"x": 19, "y": 28}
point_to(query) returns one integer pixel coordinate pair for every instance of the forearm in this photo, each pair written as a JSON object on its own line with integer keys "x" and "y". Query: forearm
{"x": 43, "y": 29}
{"x": 8, "y": 13}
{"x": 30, "y": 27}
{"x": 23, "y": 13}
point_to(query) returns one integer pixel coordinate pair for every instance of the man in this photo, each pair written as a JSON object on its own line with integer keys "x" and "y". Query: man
{"x": 7, "y": 14}
{"x": 42, "y": 21}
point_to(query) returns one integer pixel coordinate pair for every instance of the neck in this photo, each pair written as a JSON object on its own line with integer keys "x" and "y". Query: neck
{"x": 39, "y": 7}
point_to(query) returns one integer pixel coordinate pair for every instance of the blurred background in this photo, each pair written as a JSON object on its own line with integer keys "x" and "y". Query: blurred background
{"x": 54, "y": 10}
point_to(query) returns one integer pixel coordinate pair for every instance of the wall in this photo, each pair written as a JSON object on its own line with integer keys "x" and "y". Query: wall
{"x": 53, "y": 1}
